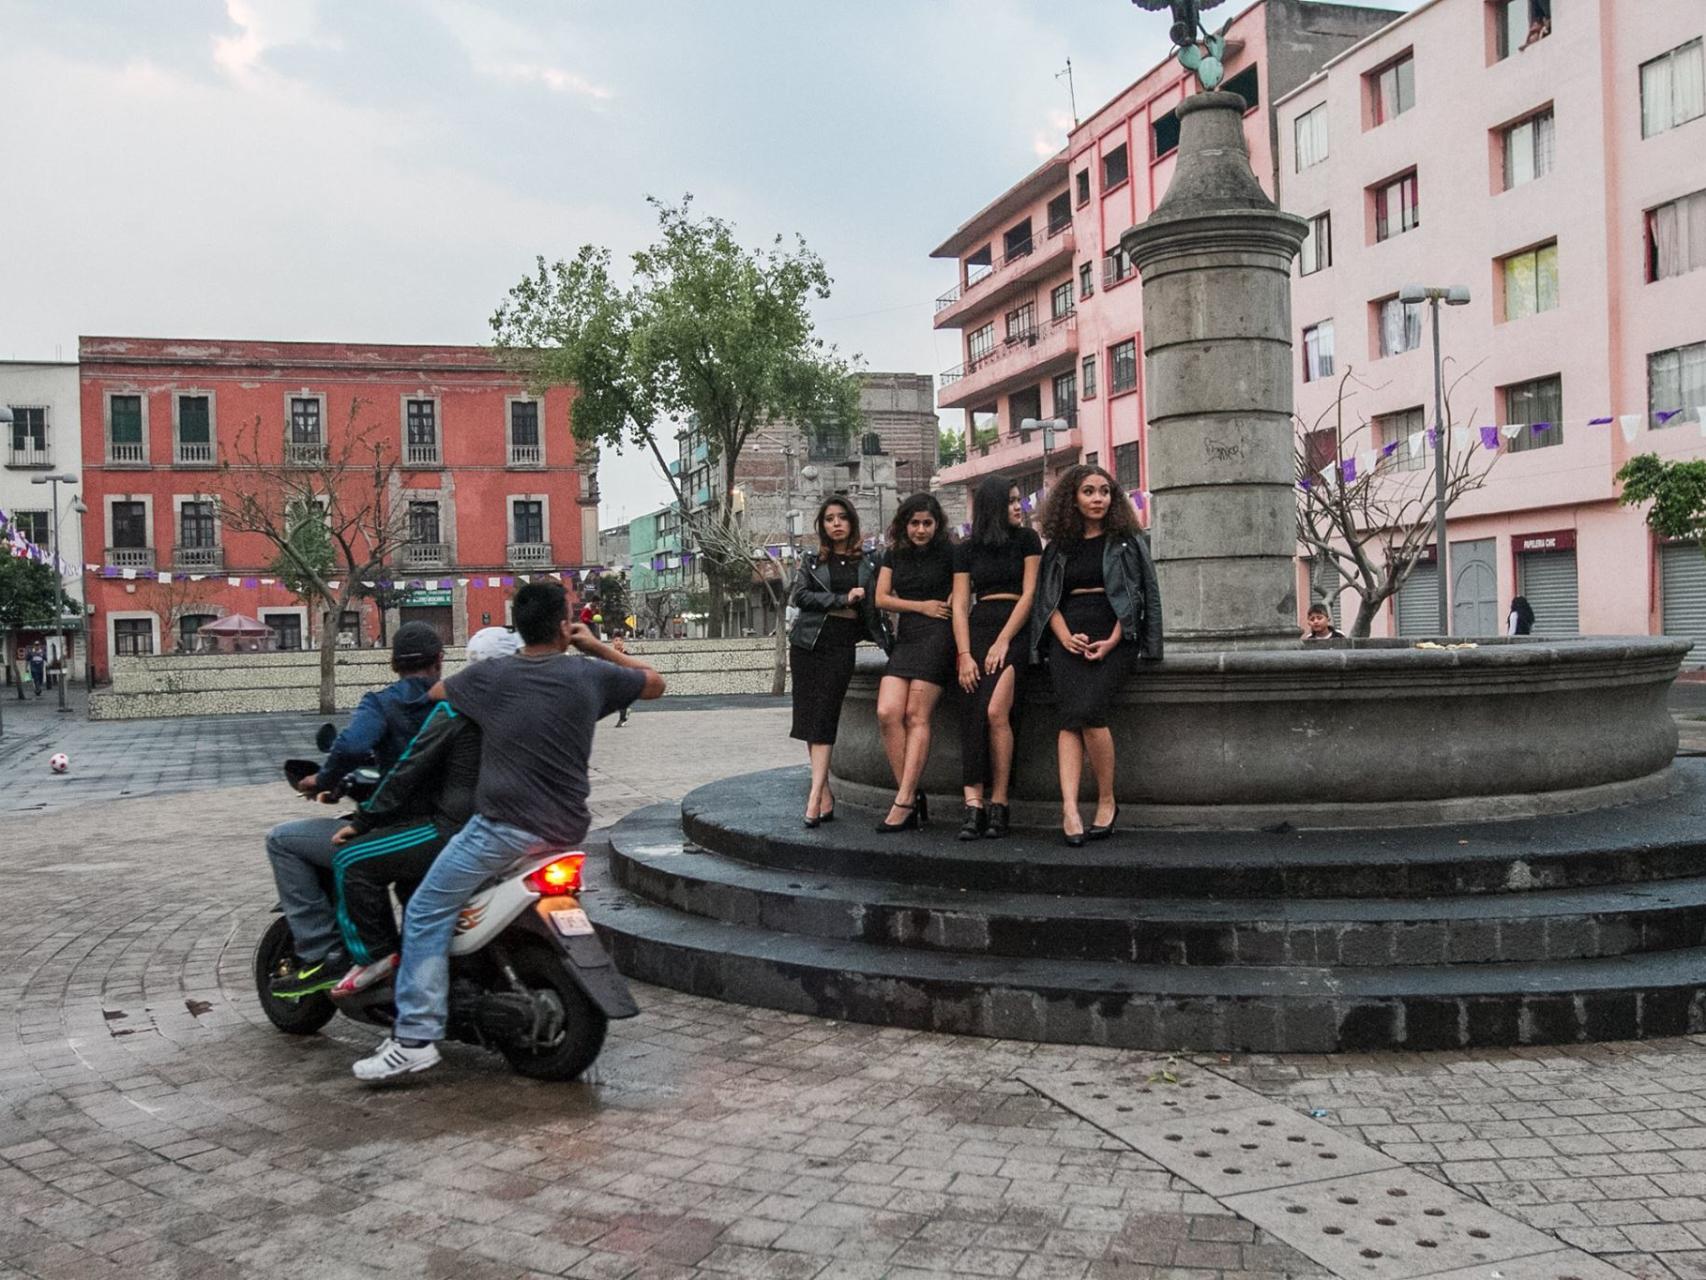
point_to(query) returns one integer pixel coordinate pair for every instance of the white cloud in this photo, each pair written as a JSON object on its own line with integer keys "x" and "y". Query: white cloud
{"x": 555, "y": 79}
{"x": 263, "y": 25}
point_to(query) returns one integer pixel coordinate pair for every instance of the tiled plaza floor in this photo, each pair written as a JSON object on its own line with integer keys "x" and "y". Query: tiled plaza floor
{"x": 153, "y": 1124}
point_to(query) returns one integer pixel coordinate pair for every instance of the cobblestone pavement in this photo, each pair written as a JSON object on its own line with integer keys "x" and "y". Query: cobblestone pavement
{"x": 155, "y": 1125}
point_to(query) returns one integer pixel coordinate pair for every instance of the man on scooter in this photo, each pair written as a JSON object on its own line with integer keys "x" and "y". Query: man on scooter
{"x": 536, "y": 714}
{"x": 300, "y": 851}
{"x": 397, "y": 832}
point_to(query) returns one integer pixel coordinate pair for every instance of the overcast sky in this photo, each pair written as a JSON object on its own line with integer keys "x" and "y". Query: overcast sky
{"x": 383, "y": 170}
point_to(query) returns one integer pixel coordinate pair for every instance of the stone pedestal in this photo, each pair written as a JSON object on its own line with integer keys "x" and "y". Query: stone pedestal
{"x": 1216, "y": 261}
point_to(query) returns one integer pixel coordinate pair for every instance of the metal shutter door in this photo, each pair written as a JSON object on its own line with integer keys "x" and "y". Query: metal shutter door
{"x": 1548, "y": 580}
{"x": 1682, "y": 571}
{"x": 1418, "y": 601}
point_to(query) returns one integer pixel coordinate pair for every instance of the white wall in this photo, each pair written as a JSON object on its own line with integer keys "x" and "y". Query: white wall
{"x": 52, "y": 386}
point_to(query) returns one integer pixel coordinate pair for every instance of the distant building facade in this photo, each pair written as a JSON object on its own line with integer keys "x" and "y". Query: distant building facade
{"x": 488, "y": 473}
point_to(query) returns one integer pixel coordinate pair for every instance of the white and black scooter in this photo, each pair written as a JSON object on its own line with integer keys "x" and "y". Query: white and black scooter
{"x": 528, "y": 976}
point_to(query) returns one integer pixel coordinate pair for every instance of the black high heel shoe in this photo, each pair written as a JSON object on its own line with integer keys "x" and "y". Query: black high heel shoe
{"x": 1102, "y": 833}
{"x": 976, "y": 823}
{"x": 909, "y": 823}
{"x": 923, "y": 803}
{"x": 828, "y": 815}
{"x": 999, "y": 819}
{"x": 1074, "y": 840}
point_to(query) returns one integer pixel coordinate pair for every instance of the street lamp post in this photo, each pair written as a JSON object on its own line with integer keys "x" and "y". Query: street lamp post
{"x": 1049, "y": 426}
{"x": 1452, "y": 296}
{"x": 56, "y": 479}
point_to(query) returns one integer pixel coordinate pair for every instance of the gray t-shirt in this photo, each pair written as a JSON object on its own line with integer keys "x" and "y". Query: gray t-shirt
{"x": 536, "y": 717}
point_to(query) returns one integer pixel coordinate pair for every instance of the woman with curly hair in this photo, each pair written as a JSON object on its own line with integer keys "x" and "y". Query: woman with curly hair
{"x": 833, "y": 593}
{"x": 998, "y": 565}
{"x": 916, "y": 582}
{"x": 1098, "y": 608}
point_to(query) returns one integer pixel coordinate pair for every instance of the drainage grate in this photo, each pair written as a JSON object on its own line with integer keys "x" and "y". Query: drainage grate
{"x": 1340, "y": 1202}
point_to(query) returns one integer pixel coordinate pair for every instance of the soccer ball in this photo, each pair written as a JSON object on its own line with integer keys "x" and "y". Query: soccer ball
{"x": 59, "y": 762}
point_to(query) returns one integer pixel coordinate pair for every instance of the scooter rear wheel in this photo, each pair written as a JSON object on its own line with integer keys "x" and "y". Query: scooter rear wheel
{"x": 300, "y": 1017}
{"x": 584, "y": 1023}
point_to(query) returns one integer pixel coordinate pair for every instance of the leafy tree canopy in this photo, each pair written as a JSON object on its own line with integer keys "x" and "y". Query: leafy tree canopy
{"x": 950, "y": 447}
{"x": 307, "y": 554}
{"x": 1677, "y": 491}
{"x": 27, "y": 594}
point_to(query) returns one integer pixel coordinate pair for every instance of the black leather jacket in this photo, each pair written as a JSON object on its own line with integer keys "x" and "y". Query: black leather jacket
{"x": 814, "y": 599}
{"x": 1128, "y": 573}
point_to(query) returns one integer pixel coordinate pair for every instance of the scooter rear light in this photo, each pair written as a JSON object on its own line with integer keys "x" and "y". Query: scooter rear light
{"x": 561, "y": 876}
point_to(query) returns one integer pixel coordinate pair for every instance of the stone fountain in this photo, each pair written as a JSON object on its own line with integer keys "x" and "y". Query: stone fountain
{"x": 1322, "y": 849}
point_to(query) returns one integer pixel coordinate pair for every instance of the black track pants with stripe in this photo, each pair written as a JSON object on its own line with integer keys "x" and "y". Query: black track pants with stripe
{"x": 363, "y": 871}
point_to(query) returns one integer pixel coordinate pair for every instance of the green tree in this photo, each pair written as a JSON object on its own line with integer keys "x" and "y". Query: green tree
{"x": 27, "y": 594}
{"x": 306, "y": 556}
{"x": 1677, "y": 491}
{"x": 707, "y": 329}
{"x": 950, "y": 447}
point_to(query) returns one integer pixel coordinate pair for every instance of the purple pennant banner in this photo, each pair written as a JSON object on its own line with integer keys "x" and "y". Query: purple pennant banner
{"x": 1601, "y": 422}
{"x": 1538, "y": 428}
{"x": 1349, "y": 468}
{"x": 1489, "y": 437}
{"x": 507, "y": 580}
{"x": 251, "y": 582}
{"x": 1303, "y": 484}
{"x": 1666, "y": 416}
{"x": 108, "y": 571}
{"x": 1387, "y": 450}
{"x": 444, "y": 584}
{"x": 1137, "y": 499}
{"x": 1433, "y": 436}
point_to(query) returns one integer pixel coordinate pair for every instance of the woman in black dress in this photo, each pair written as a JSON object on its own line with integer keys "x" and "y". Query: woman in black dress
{"x": 916, "y": 582}
{"x": 833, "y": 593}
{"x": 998, "y": 566}
{"x": 1099, "y": 609}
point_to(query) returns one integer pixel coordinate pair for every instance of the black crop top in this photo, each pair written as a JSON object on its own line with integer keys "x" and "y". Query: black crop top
{"x": 1084, "y": 564}
{"x": 998, "y": 571}
{"x": 922, "y": 574}
{"x": 843, "y": 573}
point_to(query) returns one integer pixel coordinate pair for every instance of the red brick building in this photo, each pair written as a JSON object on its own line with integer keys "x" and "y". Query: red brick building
{"x": 489, "y": 477}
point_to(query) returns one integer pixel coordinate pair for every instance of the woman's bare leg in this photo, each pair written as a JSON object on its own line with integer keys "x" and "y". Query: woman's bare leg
{"x": 1099, "y": 746}
{"x": 1070, "y": 748}
{"x": 819, "y": 753}
{"x": 1000, "y": 732}
{"x": 920, "y": 703}
{"x": 891, "y": 722}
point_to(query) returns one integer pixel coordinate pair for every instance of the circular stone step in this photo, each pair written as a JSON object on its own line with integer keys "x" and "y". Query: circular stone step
{"x": 651, "y": 858}
{"x": 755, "y": 818}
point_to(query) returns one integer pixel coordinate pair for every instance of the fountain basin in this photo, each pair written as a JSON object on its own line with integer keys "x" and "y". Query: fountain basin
{"x": 1367, "y": 733}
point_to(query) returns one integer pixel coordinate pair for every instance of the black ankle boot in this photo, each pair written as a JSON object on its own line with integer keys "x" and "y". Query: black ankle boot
{"x": 976, "y": 823}
{"x": 998, "y": 821}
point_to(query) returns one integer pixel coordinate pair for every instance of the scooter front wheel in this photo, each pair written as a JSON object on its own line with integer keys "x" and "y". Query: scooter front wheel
{"x": 584, "y": 1023}
{"x": 302, "y": 1016}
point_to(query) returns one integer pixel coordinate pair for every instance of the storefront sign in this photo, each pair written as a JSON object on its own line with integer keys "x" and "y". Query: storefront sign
{"x": 424, "y": 599}
{"x": 1562, "y": 540}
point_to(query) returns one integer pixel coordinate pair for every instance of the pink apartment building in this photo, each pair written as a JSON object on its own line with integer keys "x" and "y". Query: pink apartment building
{"x": 1049, "y": 308}
{"x": 1562, "y": 180}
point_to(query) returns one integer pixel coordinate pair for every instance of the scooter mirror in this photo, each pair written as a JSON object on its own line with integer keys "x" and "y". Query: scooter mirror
{"x": 328, "y": 734}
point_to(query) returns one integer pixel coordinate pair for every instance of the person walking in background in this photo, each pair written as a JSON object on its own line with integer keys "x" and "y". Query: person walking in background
{"x": 916, "y": 581}
{"x": 1521, "y": 619}
{"x": 621, "y": 646}
{"x": 1098, "y": 608}
{"x": 38, "y": 666}
{"x": 997, "y": 566}
{"x": 835, "y": 599}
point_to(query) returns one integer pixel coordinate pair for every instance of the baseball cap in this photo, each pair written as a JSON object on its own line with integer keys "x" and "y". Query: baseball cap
{"x": 492, "y": 642}
{"x": 416, "y": 644}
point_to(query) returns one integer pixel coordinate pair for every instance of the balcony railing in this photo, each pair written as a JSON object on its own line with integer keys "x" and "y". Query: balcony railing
{"x": 527, "y": 555}
{"x": 29, "y": 456}
{"x": 1039, "y": 344}
{"x": 304, "y": 453}
{"x": 196, "y": 559}
{"x": 1020, "y": 251}
{"x": 126, "y": 451}
{"x": 526, "y": 455}
{"x": 194, "y": 453}
{"x": 421, "y": 455}
{"x": 426, "y": 555}
{"x": 130, "y": 557}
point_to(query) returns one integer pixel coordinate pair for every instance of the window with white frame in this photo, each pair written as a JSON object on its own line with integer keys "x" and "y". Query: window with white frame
{"x": 1673, "y": 88}
{"x": 27, "y": 443}
{"x": 1310, "y": 132}
{"x": 125, "y": 441}
{"x": 1317, "y": 250}
{"x": 524, "y": 446}
{"x": 421, "y": 427}
{"x": 1676, "y": 384}
{"x": 1529, "y": 148}
{"x": 1400, "y": 325}
{"x": 1530, "y": 281}
{"x": 1537, "y": 403}
{"x": 37, "y": 526}
{"x": 133, "y": 637}
{"x": 1676, "y": 237}
{"x": 1404, "y": 431}
{"x": 1318, "y": 351}
{"x": 1397, "y": 207}
{"x": 1060, "y": 302}
{"x": 1392, "y": 89}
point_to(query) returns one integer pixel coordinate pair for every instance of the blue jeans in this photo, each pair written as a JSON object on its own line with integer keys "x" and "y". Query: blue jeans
{"x": 474, "y": 855}
{"x": 299, "y": 851}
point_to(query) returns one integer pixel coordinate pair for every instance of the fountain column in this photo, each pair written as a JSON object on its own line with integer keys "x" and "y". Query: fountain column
{"x": 1216, "y": 256}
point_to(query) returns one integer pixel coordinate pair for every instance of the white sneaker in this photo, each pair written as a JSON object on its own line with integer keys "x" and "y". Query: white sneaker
{"x": 364, "y": 976}
{"x": 393, "y": 1059}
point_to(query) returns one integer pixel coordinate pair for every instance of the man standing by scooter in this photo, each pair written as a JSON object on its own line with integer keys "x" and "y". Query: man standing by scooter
{"x": 536, "y": 713}
{"x": 301, "y": 852}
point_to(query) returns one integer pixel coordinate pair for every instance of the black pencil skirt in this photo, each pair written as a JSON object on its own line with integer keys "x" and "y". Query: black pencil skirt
{"x": 987, "y": 619}
{"x": 821, "y": 675}
{"x": 1084, "y": 691}
{"x": 923, "y": 650}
